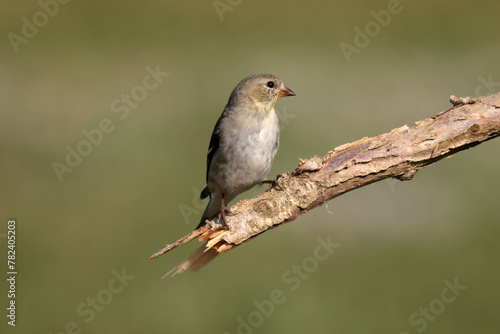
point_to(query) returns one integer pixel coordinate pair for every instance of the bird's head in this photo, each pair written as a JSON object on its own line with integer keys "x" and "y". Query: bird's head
{"x": 259, "y": 92}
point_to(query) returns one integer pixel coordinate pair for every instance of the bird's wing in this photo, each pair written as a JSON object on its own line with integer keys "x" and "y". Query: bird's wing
{"x": 214, "y": 144}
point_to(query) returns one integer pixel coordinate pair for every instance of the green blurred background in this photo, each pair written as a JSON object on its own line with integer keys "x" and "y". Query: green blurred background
{"x": 398, "y": 241}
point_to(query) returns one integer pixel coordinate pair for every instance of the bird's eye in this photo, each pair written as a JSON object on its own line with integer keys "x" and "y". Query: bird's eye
{"x": 270, "y": 84}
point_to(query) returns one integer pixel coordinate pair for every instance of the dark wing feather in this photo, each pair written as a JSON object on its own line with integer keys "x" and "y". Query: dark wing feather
{"x": 212, "y": 149}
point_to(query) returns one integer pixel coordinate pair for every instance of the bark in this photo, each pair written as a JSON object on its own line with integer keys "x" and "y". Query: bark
{"x": 398, "y": 154}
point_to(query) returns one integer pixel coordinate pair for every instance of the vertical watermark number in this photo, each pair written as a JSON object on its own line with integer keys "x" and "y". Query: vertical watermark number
{"x": 11, "y": 271}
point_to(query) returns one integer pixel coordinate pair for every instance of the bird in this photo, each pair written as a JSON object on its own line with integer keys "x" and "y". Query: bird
{"x": 242, "y": 148}
{"x": 244, "y": 142}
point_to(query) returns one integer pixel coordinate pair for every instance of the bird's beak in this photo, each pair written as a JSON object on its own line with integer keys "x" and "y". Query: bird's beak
{"x": 285, "y": 91}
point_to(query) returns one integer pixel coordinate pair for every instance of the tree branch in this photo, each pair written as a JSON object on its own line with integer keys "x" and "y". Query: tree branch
{"x": 398, "y": 154}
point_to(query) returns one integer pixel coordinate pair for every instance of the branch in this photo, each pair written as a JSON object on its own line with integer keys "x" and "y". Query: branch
{"x": 398, "y": 154}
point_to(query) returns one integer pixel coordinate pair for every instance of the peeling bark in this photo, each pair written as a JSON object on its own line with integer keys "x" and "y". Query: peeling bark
{"x": 398, "y": 154}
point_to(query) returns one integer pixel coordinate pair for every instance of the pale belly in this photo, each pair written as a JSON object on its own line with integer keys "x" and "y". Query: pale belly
{"x": 247, "y": 160}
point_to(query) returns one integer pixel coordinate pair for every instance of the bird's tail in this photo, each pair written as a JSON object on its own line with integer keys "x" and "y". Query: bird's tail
{"x": 194, "y": 262}
{"x": 204, "y": 254}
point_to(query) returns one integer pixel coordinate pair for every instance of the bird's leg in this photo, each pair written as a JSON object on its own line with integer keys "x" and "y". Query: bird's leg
{"x": 223, "y": 211}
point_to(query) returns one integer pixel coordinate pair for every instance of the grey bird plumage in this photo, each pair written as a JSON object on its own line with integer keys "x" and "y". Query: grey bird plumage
{"x": 244, "y": 141}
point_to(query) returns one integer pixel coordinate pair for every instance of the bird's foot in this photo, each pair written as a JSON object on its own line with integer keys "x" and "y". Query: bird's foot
{"x": 272, "y": 183}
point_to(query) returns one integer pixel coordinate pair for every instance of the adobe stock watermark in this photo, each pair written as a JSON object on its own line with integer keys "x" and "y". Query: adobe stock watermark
{"x": 373, "y": 28}
{"x": 120, "y": 106}
{"x": 30, "y": 27}
{"x": 421, "y": 318}
{"x": 487, "y": 84}
{"x": 284, "y": 117}
{"x": 87, "y": 310}
{"x": 293, "y": 279}
{"x": 192, "y": 212}
{"x": 222, "y": 6}
{"x": 391, "y": 183}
